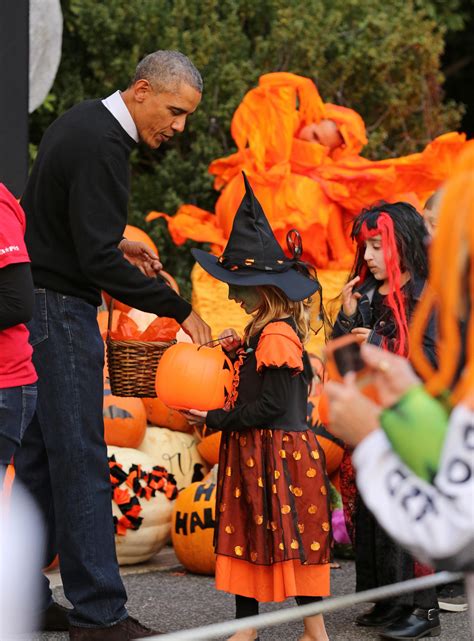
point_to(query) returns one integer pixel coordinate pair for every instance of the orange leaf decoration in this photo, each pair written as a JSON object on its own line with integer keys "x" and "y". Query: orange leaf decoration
{"x": 161, "y": 329}
{"x": 127, "y": 329}
{"x": 121, "y": 496}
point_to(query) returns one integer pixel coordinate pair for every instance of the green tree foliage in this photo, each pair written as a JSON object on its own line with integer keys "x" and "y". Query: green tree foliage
{"x": 382, "y": 59}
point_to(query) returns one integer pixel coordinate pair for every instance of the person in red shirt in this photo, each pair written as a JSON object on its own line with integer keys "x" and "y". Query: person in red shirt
{"x": 17, "y": 373}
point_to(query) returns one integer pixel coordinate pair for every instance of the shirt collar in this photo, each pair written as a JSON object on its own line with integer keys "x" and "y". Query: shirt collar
{"x": 117, "y": 107}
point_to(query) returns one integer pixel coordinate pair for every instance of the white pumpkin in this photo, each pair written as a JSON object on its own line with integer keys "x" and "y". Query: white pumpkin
{"x": 177, "y": 451}
{"x": 155, "y": 511}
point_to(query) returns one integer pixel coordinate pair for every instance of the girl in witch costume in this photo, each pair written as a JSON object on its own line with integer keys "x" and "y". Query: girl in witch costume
{"x": 273, "y": 535}
{"x": 387, "y": 280}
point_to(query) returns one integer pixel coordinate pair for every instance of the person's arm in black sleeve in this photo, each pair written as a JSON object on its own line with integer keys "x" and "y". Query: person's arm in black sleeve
{"x": 344, "y": 324}
{"x": 16, "y": 295}
{"x": 98, "y": 203}
{"x": 272, "y": 403}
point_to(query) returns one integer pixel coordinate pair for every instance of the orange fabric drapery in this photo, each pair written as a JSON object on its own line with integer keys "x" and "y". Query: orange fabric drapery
{"x": 302, "y": 183}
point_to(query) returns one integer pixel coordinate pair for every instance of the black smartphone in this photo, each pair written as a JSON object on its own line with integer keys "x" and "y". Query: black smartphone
{"x": 348, "y": 358}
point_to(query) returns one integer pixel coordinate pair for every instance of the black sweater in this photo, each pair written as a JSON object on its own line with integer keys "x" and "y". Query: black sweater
{"x": 76, "y": 203}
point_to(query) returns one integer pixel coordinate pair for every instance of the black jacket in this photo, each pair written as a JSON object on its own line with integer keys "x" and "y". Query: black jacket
{"x": 379, "y": 318}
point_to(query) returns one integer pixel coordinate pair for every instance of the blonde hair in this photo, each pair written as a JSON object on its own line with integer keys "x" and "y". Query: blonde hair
{"x": 275, "y": 304}
{"x": 450, "y": 281}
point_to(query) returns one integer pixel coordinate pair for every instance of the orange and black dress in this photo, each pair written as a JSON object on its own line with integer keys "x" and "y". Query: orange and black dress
{"x": 272, "y": 534}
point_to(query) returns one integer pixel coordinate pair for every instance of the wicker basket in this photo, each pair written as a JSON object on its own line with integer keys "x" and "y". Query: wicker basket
{"x": 132, "y": 364}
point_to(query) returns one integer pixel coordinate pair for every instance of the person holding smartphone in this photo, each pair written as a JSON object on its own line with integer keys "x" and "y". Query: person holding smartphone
{"x": 390, "y": 437}
{"x": 387, "y": 279}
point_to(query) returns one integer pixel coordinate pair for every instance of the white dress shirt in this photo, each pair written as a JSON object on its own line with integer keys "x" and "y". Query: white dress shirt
{"x": 117, "y": 107}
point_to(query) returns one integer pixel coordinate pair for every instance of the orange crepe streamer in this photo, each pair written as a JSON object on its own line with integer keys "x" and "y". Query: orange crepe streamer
{"x": 451, "y": 277}
{"x": 302, "y": 182}
{"x": 162, "y": 329}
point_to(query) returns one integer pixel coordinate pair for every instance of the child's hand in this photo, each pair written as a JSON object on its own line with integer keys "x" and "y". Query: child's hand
{"x": 349, "y": 299}
{"x": 362, "y": 333}
{"x": 194, "y": 417}
{"x": 230, "y": 340}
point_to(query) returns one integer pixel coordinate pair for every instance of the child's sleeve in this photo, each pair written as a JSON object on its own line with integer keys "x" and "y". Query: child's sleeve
{"x": 272, "y": 402}
{"x": 344, "y": 324}
{"x": 279, "y": 346}
{"x": 279, "y": 357}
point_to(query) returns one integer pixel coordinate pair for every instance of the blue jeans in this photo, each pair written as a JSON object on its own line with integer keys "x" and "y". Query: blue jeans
{"x": 63, "y": 458}
{"x": 17, "y": 406}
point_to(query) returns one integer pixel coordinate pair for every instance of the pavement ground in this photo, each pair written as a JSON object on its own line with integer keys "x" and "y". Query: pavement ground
{"x": 164, "y": 596}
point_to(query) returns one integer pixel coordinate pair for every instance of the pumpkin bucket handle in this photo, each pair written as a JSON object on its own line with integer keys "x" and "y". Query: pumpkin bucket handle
{"x": 216, "y": 340}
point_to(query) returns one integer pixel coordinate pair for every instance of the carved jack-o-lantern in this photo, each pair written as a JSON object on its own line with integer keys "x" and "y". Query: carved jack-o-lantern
{"x": 192, "y": 528}
{"x": 193, "y": 377}
{"x": 124, "y": 419}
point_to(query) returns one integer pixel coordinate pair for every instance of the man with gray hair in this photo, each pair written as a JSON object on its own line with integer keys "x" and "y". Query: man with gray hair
{"x": 76, "y": 204}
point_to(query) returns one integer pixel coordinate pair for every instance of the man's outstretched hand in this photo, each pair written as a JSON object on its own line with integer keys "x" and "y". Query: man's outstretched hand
{"x": 195, "y": 327}
{"x": 141, "y": 256}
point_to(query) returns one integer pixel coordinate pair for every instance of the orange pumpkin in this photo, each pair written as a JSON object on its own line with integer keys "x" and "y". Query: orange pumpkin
{"x": 8, "y": 479}
{"x": 54, "y": 565}
{"x": 209, "y": 446}
{"x": 323, "y": 409}
{"x": 192, "y": 529}
{"x": 163, "y": 416}
{"x": 170, "y": 280}
{"x": 193, "y": 377}
{"x": 333, "y": 453}
{"x": 124, "y": 420}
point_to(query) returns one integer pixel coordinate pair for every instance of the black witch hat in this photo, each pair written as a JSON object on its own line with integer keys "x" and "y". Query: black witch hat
{"x": 253, "y": 255}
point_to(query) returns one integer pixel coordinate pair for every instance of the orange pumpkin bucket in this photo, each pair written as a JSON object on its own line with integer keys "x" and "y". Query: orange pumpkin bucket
{"x": 194, "y": 377}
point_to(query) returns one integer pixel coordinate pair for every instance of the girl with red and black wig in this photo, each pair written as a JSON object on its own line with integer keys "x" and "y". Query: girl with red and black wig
{"x": 387, "y": 279}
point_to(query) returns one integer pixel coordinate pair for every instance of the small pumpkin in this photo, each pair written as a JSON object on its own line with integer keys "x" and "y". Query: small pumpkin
{"x": 175, "y": 451}
{"x": 323, "y": 409}
{"x": 163, "y": 416}
{"x": 333, "y": 453}
{"x": 143, "y": 496}
{"x": 124, "y": 419}
{"x": 192, "y": 530}
{"x": 209, "y": 446}
{"x": 190, "y": 376}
